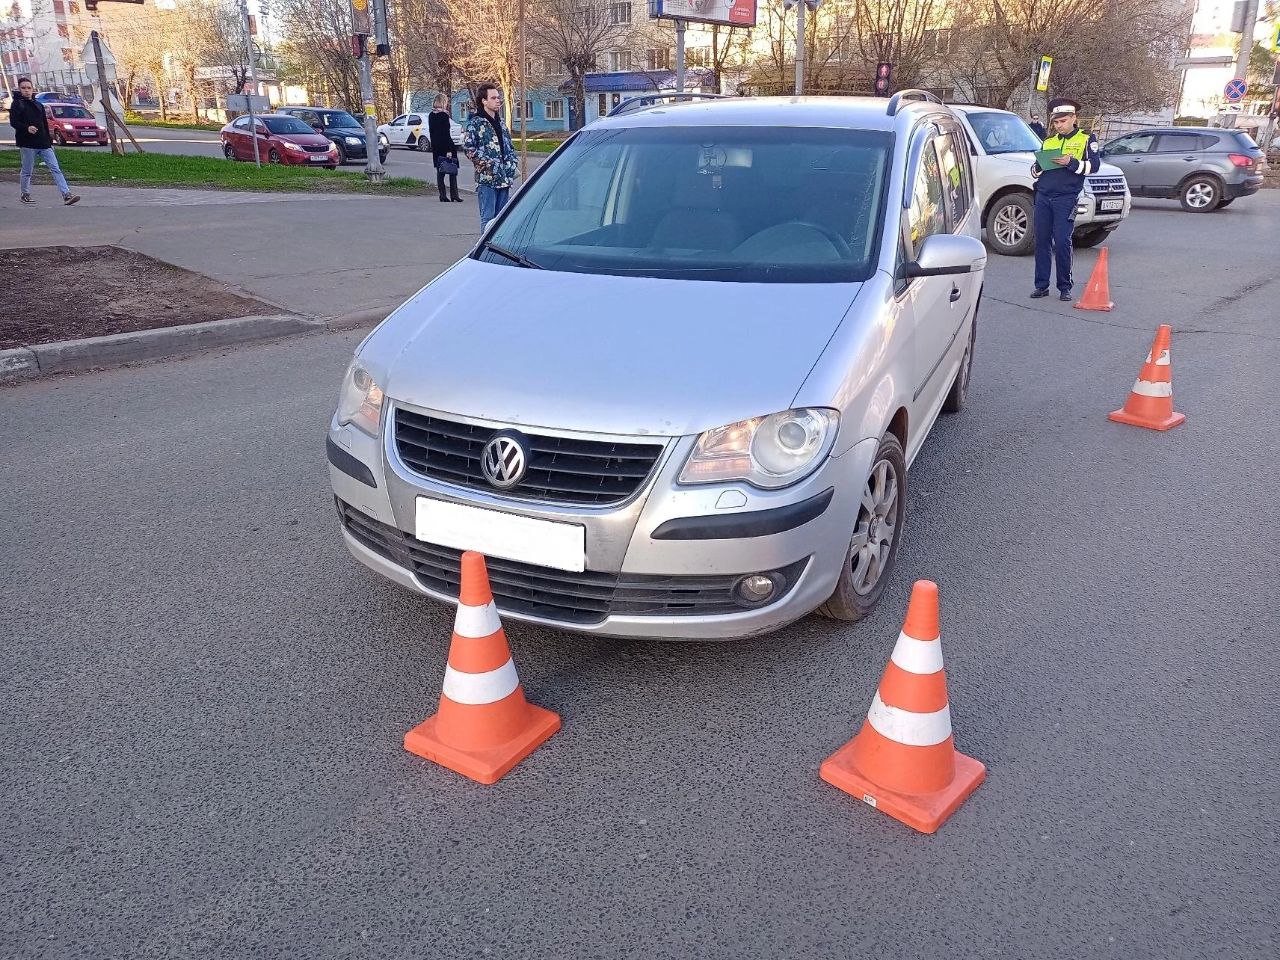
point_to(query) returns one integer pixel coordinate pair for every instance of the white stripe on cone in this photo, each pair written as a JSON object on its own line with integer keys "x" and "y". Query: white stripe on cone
{"x": 476, "y": 622}
{"x": 1145, "y": 388}
{"x": 917, "y": 656}
{"x": 904, "y": 726}
{"x": 478, "y": 688}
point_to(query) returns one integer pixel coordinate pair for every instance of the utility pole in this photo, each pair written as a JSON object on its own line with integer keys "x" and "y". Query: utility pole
{"x": 800, "y": 53}
{"x": 253, "y": 81}
{"x": 679, "y": 56}
{"x": 361, "y": 29}
{"x": 116, "y": 148}
{"x": 524, "y": 121}
{"x": 1246, "y": 48}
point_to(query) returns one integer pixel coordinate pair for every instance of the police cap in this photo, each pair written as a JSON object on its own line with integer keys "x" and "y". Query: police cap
{"x": 1061, "y": 106}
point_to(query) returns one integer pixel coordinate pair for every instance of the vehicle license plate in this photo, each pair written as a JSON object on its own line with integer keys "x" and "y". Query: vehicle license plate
{"x": 1107, "y": 205}
{"x": 546, "y": 543}
{"x": 320, "y": 158}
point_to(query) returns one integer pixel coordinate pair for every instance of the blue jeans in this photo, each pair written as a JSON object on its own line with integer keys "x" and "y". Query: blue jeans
{"x": 492, "y": 200}
{"x": 1055, "y": 219}
{"x": 50, "y": 159}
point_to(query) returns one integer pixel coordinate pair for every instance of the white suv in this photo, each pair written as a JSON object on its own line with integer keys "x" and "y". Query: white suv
{"x": 1003, "y": 146}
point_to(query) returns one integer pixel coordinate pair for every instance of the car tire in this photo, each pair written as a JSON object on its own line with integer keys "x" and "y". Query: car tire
{"x": 383, "y": 154}
{"x": 228, "y": 151}
{"x": 960, "y": 386}
{"x": 274, "y": 156}
{"x": 342, "y": 154}
{"x": 59, "y": 139}
{"x": 1010, "y": 225}
{"x": 424, "y": 145}
{"x": 1090, "y": 237}
{"x": 885, "y": 488}
{"x": 1200, "y": 194}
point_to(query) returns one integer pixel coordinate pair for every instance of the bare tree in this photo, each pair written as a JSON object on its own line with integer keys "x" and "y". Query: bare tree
{"x": 487, "y": 42}
{"x": 316, "y": 51}
{"x": 895, "y": 31}
{"x": 577, "y": 34}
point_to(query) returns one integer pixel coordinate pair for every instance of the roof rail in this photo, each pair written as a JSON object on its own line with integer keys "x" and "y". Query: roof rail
{"x": 907, "y": 96}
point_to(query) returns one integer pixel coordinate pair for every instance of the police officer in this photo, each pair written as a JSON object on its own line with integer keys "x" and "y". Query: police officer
{"x": 1057, "y": 191}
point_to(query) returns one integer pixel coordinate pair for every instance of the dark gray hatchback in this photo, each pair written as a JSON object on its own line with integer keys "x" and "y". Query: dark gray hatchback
{"x": 1204, "y": 167}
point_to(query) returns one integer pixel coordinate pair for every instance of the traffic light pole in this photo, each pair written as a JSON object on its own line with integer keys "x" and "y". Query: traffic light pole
{"x": 1246, "y": 48}
{"x": 364, "y": 24}
{"x": 800, "y": 9}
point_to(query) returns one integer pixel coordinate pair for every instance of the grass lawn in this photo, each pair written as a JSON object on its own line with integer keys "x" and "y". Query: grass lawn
{"x": 135, "y": 120}
{"x": 209, "y": 173}
{"x": 536, "y": 146}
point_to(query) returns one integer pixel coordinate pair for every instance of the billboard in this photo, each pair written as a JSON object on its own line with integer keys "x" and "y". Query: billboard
{"x": 732, "y": 13}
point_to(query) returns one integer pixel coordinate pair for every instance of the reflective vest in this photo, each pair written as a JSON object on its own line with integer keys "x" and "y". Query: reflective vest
{"x": 1073, "y": 145}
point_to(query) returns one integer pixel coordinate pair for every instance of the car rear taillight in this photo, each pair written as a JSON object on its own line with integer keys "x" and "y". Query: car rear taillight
{"x": 1240, "y": 160}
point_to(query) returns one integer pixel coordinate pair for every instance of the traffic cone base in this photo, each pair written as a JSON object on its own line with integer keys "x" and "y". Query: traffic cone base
{"x": 484, "y": 765}
{"x": 1123, "y": 416}
{"x": 925, "y": 812}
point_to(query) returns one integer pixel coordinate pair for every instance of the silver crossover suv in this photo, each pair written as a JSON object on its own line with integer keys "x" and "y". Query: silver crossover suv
{"x": 675, "y": 388}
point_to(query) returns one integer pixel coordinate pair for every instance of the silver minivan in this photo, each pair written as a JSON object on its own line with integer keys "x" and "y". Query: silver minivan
{"x": 675, "y": 388}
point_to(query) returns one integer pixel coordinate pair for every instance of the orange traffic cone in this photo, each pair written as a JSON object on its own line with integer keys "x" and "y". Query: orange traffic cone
{"x": 484, "y": 726}
{"x": 1097, "y": 292}
{"x": 904, "y": 759}
{"x": 1150, "y": 402}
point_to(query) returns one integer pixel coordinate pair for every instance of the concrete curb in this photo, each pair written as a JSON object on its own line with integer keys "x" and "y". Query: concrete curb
{"x": 74, "y": 356}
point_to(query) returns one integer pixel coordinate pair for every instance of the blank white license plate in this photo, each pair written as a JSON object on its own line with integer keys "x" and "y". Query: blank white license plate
{"x": 320, "y": 159}
{"x": 1107, "y": 205}
{"x": 545, "y": 543}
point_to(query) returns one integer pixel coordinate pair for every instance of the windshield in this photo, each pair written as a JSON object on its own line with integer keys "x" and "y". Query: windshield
{"x": 340, "y": 119}
{"x": 70, "y": 113}
{"x": 746, "y": 204}
{"x": 286, "y": 125}
{"x": 1003, "y": 132}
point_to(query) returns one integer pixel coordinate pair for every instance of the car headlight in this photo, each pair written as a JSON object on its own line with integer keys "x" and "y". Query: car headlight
{"x": 68, "y": 126}
{"x": 360, "y": 402}
{"x": 290, "y": 145}
{"x": 354, "y": 141}
{"x": 767, "y": 452}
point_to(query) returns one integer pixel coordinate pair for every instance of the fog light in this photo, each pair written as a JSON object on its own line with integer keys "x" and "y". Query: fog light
{"x": 755, "y": 589}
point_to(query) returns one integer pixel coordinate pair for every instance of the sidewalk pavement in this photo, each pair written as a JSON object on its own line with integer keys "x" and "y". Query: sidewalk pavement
{"x": 316, "y": 255}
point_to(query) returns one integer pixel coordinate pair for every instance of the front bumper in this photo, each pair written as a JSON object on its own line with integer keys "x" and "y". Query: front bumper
{"x": 661, "y": 564}
{"x": 1089, "y": 212}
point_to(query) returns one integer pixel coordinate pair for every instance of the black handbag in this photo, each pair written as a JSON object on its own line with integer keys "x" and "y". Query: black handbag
{"x": 447, "y": 165}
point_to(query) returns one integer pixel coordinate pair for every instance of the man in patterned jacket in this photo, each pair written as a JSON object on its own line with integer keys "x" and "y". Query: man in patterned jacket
{"x": 488, "y": 145}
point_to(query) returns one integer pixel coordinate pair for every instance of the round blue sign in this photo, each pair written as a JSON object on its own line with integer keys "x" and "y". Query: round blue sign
{"x": 1235, "y": 89}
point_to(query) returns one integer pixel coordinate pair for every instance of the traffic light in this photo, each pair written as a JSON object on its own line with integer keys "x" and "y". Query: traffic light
{"x": 884, "y": 78}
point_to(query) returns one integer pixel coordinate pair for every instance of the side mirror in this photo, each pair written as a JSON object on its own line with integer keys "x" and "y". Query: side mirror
{"x": 317, "y": 128}
{"x": 945, "y": 254}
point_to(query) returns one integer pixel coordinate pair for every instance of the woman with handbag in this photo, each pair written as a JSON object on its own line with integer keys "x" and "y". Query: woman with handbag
{"x": 444, "y": 152}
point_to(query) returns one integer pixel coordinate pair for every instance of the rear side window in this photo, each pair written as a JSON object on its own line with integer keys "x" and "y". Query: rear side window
{"x": 1178, "y": 143}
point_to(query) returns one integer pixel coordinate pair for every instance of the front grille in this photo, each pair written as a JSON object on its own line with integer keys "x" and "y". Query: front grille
{"x": 312, "y": 148}
{"x": 561, "y": 469}
{"x": 573, "y": 598}
{"x": 1105, "y": 185}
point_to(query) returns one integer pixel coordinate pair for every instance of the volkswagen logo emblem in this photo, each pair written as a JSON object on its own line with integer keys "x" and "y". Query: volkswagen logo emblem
{"x": 504, "y": 460}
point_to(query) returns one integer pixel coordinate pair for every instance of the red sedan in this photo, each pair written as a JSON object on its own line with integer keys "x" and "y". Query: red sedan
{"x": 281, "y": 139}
{"x": 72, "y": 123}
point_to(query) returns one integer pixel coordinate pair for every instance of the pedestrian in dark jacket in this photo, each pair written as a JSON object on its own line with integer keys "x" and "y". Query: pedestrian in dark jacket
{"x": 443, "y": 149}
{"x": 1057, "y": 192}
{"x": 31, "y": 131}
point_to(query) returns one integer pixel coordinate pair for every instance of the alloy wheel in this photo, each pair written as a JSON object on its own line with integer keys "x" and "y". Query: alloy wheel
{"x": 1200, "y": 194}
{"x": 1009, "y": 225}
{"x": 876, "y": 528}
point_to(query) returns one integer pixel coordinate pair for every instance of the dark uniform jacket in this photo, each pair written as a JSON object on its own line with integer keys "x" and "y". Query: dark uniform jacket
{"x": 1069, "y": 179}
{"x": 25, "y": 113}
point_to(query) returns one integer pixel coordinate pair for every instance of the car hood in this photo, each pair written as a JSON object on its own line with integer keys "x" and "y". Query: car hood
{"x": 332, "y": 132}
{"x": 1024, "y": 159}
{"x": 304, "y": 139}
{"x": 606, "y": 354}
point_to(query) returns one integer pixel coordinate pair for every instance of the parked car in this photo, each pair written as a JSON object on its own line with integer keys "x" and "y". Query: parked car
{"x": 410, "y": 130}
{"x": 659, "y": 406}
{"x": 1206, "y": 168}
{"x": 1003, "y": 149}
{"x": 281, "y": 139}
{"x": 341, "y": 128}
{"x": 71, "y": 123}
{"x": 49, "y": 97}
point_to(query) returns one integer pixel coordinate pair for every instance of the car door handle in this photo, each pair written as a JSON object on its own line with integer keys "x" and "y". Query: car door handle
{"x": 1189, "y": 159}
{"x": 955, "y": 294}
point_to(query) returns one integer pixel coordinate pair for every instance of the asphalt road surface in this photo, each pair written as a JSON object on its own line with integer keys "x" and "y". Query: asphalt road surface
{"x": 203, "y": 697}
{"x": 401, "y": 162}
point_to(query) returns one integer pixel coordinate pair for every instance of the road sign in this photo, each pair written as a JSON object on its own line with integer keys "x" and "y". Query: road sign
{"x": 1275, "y": 39}
{"x": 1042, "y": 74}
{"x": 1235, "y": 90}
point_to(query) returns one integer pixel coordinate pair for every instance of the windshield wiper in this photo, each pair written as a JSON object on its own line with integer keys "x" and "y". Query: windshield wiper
{"x": 510, "y": 255}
